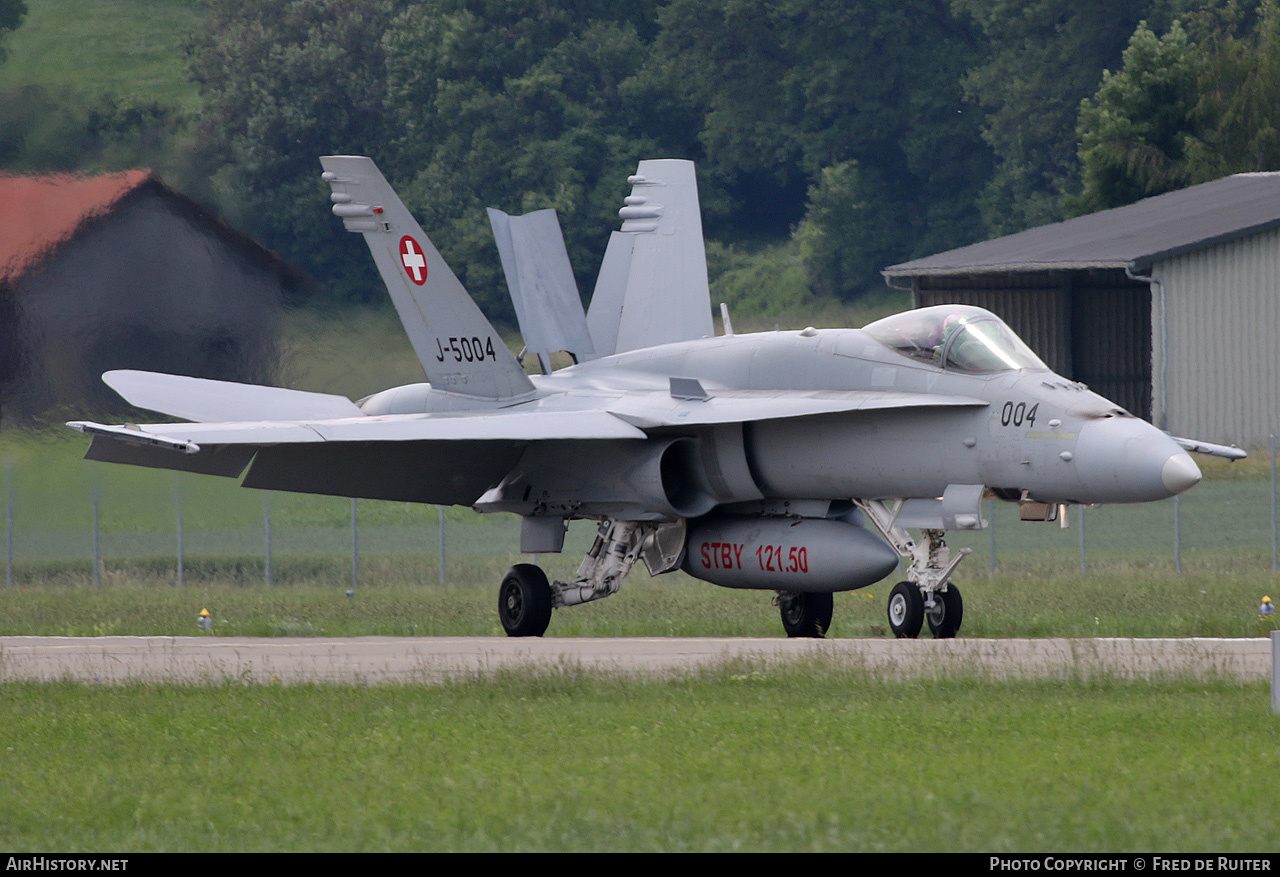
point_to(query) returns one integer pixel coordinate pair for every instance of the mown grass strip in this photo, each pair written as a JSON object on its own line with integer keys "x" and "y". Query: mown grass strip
{"x": 147, "y": 604}
{"x": 805, "y": 757}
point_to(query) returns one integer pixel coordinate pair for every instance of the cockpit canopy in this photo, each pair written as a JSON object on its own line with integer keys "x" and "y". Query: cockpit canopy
{"x": 955, "y": 337}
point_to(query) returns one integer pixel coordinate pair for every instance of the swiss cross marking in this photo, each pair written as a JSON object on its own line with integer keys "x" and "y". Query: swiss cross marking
{"x": 415, "y": 263}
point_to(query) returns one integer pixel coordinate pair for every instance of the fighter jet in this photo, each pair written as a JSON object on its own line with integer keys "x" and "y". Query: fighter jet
{"x": 797, "y": 462}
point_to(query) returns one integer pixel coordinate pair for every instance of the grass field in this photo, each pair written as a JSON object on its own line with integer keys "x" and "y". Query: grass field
{"x": 806, "y": 758}
{"x": 1002, "y": 606}
{"x": 129, "y": 48}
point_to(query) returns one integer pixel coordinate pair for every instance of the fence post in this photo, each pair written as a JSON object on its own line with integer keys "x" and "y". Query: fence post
{"x": 266, "y": 516}
{"x": 1275, "y": 554}
{"x": 1177, "y": 537}
{"x": 177, "y": 501}
{"x": 355, "y": 546}
{"x": 991, "y": 525}
{"x": 97, "y": 552}
{"x": 1275, "y": 671}
{"x": 441, "y": 510}
{"x": 8, "y": 525}
{"x": 1080, "y": 518}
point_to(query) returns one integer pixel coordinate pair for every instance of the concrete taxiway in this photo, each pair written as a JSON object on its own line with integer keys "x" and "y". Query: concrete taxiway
{"x": 374, "y": 660}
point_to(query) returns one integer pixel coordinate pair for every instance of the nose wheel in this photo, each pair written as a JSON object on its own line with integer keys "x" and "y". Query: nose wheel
{"x": 908, "y": 611}
{"x": 946, "y": 613}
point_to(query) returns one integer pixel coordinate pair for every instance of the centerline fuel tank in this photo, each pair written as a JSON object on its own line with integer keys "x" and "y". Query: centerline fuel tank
{"x": 786, "y": 554}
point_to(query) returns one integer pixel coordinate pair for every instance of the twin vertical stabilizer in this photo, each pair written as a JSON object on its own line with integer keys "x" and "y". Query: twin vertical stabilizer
{"x": 458, "y": 348}
{"x": 652, "y": 288}
{"x": 541, "y": 283}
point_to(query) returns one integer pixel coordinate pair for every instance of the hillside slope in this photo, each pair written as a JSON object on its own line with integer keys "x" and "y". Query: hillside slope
{"x": 129, "y": 48}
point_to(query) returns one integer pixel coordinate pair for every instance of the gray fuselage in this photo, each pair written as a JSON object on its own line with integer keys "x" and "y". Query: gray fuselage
{"x": 1023, "y": 429}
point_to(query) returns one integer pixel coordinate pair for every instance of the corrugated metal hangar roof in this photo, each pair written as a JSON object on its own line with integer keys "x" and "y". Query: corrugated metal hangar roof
{"x": 1131, "y": 237}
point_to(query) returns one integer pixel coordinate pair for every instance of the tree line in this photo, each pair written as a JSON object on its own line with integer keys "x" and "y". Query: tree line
{"x": 837, "y": 137}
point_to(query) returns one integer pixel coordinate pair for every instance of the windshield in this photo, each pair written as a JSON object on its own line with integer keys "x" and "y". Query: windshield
{"x": 955, "y": 337}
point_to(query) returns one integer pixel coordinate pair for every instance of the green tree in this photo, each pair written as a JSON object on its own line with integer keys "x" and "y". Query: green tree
{"x": 1133, "y": 132}
{"x": 1190, "y": 106}
{"x": 1040, "y": 60}
{"x": 1236, "y": 120}
{"x": 283, "y": 82}
{"x": 847, "y": 227}
{"x": 11, "y": 14}
{"x": 848, "y": 116}
{"x": 463, "y": 103}
{"x": 59, "y": 129}
{"x": 522, "y": 105}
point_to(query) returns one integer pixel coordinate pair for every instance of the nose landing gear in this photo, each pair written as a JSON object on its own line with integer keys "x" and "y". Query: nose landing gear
{"x": 928, "y": 594}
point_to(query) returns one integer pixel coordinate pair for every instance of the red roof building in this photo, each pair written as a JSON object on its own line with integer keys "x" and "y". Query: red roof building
{"x": 120, "y": 271}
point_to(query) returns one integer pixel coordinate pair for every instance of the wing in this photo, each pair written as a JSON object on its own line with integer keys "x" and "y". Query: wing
{"x": 536, "y": 425}
{"x": 437, "y": 458}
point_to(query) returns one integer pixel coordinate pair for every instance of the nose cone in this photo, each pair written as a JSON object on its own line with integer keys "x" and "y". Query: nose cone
{"x": 1124, "y": 459}
{"x": 1180, "y": 473}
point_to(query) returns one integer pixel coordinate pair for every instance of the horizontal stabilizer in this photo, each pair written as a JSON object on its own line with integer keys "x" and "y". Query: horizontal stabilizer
{"x": 204, "y": 400}
{"x": 656, "y": 409}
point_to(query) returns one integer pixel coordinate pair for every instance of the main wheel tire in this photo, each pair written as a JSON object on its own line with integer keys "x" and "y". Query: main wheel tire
{"x": 906, "y": 610}
{"x": 947, "y": 613}
{"x": 805, "y": 614}
{"x": 524, "y": 601}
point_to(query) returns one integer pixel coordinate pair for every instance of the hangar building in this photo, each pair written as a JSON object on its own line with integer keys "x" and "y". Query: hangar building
{"x": 120, "y": 271}
{"x": 1169, "y": 306}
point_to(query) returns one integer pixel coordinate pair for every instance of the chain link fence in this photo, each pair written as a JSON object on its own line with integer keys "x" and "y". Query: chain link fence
{"x": 186, "y": 529}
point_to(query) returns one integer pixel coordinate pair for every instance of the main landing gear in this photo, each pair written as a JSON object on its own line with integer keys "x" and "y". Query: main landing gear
{"x": 805, "y": 614}
{"x": 526, "y": 599}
